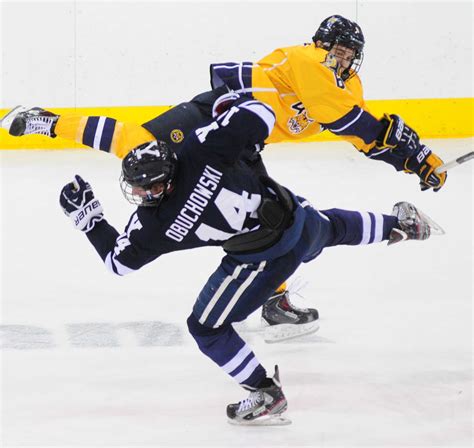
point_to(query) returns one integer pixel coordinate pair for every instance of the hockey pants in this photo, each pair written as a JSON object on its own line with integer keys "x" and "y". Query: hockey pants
{"x": 236, "y": 289}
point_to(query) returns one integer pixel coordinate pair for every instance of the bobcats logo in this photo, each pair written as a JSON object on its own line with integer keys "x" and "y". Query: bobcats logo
{"x": 177, "y": 135}
{"x": 300, "y": 121}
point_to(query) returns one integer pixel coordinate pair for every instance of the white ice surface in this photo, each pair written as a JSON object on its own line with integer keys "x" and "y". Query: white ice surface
{"x": 390, "y": 366}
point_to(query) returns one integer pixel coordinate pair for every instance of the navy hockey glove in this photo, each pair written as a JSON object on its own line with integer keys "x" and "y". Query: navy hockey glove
{"x": 424, "y": 164}
{"x": 224, "y": 103}
{"x": 78, "y": 202}
{"x": 400, "y": 138}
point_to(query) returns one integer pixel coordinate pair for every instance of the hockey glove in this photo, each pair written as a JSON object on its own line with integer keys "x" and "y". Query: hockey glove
{"x": 401, "y": 139}
{"x": 424, "y": 164}
{"x": 78, "y": 202}
{"x": 224, "y": 103}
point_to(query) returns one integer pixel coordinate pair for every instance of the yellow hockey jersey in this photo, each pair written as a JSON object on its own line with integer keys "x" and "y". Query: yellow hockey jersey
{"x": 302, "y": 85}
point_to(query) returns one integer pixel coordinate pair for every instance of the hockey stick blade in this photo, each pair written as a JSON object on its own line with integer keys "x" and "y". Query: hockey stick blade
{"x": 455, "y": 162}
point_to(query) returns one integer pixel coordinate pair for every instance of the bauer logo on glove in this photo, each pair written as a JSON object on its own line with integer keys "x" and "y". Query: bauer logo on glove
{"x": 78, "y": 202}
{"x": 402, "y": 140}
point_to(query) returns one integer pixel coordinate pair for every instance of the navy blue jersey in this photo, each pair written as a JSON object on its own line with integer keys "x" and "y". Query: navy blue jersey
{"x": 215, "y": 194}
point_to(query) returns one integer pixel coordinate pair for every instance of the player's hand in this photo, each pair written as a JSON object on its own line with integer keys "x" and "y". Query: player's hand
{"x": 402, "y": 140}
{"x": 78, "y": 202}
{"x": 424, "y": 163}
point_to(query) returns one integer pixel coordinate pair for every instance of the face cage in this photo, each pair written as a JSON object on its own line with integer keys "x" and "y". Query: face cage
{"x": 355, "y": 66}
{"x": 147, "y": 201}
{"x": 356, "y": 62}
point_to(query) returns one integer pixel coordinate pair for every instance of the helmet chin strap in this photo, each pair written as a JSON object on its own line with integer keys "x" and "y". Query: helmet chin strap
{"x": 150, "y": 196}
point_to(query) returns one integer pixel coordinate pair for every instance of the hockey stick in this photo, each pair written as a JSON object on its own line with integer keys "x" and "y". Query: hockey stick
{"x": 455, "y": 162}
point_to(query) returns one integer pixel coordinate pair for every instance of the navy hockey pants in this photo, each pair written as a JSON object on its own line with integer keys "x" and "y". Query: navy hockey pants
{"x": 236, "y": 289}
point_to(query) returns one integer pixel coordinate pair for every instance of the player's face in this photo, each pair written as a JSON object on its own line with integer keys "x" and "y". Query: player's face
{"x": 343, "y": 55}
{"x": 155, "y": 189}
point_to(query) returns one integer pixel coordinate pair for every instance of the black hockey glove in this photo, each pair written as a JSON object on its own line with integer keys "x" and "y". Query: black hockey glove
{"x": 400, "y": 138}
{"x": 424, "y": 164}
{"x": 78, "y": 202}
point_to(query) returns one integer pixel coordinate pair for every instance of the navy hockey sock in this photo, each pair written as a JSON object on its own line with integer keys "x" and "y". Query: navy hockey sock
{"x": 228, "y": 350}
{"x": 355, "y": 228}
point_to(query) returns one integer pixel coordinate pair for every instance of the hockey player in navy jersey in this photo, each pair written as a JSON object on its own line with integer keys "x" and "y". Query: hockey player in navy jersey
{"x": 206, "y": 196}
{"x": 308, "y": 95}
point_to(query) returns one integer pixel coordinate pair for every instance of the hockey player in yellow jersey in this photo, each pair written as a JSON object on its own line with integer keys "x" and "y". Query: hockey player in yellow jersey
{"x": 305, "y": 86}
{"x": 311, "y": 87}
{"x": 314, "y": 87}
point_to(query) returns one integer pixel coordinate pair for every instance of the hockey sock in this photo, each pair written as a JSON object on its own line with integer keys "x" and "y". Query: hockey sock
{"x": 281, "y": 288}
{"x": 70, "y": 127}
{"x": 355, "y": 228}
{"x": 227, "y": 349}
{"x": 104, "y": 133}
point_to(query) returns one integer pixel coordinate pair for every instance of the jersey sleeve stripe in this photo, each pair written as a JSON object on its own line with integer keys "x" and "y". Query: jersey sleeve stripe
{"x": 357, "y": 123}
{"x": 257, "y": 89}
{"x": 345, "y": 118}
{"x": 114, "y": 266}
{"x": 375, "y": 152}
{"x": 233, "y": 75}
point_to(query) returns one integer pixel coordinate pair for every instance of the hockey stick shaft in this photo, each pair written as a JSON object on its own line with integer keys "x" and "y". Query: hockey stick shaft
{"x": 455, "y": 162}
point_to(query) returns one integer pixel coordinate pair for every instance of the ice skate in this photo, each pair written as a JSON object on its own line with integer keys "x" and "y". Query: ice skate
{"x": 25, "y": 121}
{"x": 414, "y": 224}
{"x": 263, "y": 407}
{"x": 282, "y": 320}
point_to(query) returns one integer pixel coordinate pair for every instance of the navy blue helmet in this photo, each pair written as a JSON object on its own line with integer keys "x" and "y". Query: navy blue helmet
{"x": 143, "y": 168}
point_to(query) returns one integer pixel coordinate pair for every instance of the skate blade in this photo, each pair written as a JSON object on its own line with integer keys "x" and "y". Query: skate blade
{"x": 267, "y": 420}
{"x": 6, "y": 120}
{"x": 435, "y": 228}
{"x": 284, "y": 332}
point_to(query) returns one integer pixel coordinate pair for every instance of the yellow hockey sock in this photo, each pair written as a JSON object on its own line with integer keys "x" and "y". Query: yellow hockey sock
{"x": 104, "y": 133}
{"x": 281, "y": 288}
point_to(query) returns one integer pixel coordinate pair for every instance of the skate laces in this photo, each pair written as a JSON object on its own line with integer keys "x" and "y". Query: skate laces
{"x": 39, "y": 125}
{"x": 251, "y": 401}
{"x": 296, "y": 285}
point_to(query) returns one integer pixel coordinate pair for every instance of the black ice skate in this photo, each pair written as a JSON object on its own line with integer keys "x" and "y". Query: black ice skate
{"x": 25, "y": 121}
{"x": 263, "y": 407}
{"x": 282, "y": 320}
{"x": 414, "y": 224}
